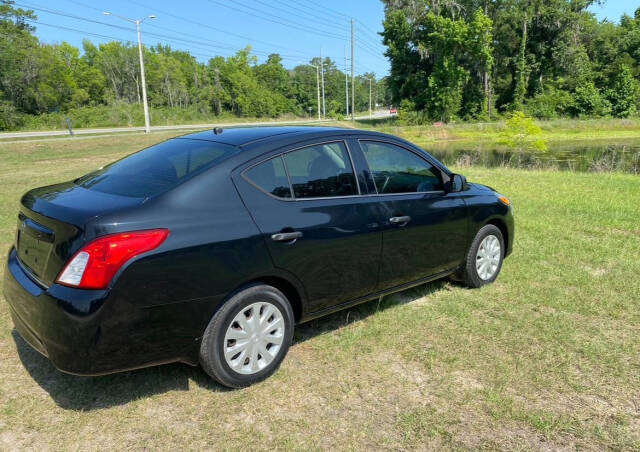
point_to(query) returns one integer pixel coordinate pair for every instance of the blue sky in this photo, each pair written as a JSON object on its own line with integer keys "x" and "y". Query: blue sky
{"x": 297, "y": 29}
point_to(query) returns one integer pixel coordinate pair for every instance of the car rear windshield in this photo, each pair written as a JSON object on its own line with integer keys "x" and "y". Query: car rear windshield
{"x": 156, "y": 169}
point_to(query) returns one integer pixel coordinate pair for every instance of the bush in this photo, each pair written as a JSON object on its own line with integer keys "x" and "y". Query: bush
{"x": 522, "y": 134}
{"x": 10, "y": 118}
{"x": 624, "y": 94}
{"x": 589, "y": 102}
{"x": 408, "y": 115}
{"x": 551, "y": 103}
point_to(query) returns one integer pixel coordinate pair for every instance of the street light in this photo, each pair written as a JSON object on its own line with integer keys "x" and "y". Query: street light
{"x": 324, "y": 110}
{"x": 370, "y": 113}
{"x": 147, "y": 127}
{"x": 318, "y": 86}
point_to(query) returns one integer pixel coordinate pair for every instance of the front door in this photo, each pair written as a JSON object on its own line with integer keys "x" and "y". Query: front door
{"x": 307, "y": 204}
{"x": 424, "y": 229}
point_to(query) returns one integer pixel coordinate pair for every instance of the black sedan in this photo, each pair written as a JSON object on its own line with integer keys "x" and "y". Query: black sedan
{"x": 208, "y": 248}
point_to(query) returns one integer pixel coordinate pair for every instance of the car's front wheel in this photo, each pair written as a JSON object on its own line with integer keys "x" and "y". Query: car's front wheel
{"x": 485, "y": 256}
{"x": 248, "y": 337}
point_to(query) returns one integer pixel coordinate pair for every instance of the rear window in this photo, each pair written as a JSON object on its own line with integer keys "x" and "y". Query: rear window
{"x": 156, "y": 169}
{"x": 271, "y": 177}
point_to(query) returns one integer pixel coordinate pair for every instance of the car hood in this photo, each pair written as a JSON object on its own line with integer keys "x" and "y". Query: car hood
{"x": 481, "y": 187}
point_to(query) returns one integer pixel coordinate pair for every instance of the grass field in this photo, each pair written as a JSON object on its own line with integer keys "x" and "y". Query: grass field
{"x": 546, "y": 358}
{"x": 489, "y": 132}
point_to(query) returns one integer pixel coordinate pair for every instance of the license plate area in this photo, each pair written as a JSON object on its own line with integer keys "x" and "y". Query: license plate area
{"x": 34, "y": 246}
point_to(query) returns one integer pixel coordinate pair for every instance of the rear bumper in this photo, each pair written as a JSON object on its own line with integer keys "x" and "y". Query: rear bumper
{"x": 89, "y": 332}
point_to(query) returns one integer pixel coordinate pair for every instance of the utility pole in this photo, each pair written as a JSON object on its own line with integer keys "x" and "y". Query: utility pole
{"x": 346, "y": 82}
{"x": 324, "y": 109}
{"x": 147, "y": 127}
{"x": 370, "y": 112}
{"x": 353, "y": 76}
{"x": 318, "y": 85}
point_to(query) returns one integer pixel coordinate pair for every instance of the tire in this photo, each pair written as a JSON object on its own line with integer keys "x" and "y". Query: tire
{"x": 248, "y": 314}
{"x": 471, "y": 276}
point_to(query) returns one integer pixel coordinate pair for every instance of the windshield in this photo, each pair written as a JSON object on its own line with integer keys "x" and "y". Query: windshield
{"x": 157, "y": 169}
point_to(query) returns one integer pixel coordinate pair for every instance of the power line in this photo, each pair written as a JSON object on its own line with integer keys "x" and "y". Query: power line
{"x": 72, "y": 16}
{"x": 367, "y": 29}
{"x": 113, "y": 38}
{"x": 206, "y": 43}
{"x": 369, "y": 52}
{"x": 278, "y": 20}
{"x": 203, "y": 43}
{"x": 75, "y": 30}
{"x": 315, "y": 19}
{"x": 325, "y": 9}
{"x": 200, "y": 24}
{"x": 369, "y": 46}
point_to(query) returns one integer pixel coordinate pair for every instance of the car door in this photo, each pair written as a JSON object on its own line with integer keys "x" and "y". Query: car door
{"x": 424, "y": 228}
{"x": 307, "y": 203}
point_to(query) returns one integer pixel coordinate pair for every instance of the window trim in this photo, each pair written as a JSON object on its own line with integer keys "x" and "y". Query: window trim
{"x": 423, "y": 157}
{"x": 284, "y": 163}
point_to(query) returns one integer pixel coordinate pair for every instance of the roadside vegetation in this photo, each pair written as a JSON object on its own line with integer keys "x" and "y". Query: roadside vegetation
{"x": 478, "y": 60}
{"x": 546, "y": 358}
{"x": 41, "y": 84}
{"x": 492, "y": 132}
{"x": 450, "y": 61}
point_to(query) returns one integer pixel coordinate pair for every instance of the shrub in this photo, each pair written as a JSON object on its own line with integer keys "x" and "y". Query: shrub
{"x": 522, "y": 134}
{"x": 551, "y": 103}
{"x": 624, "y": 94}
{"x": 10, "y": 118}
{"x": 589, "y": 102}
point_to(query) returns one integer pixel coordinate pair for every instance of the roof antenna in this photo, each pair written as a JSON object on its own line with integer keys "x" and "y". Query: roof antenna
{"x": 217, "y": 130}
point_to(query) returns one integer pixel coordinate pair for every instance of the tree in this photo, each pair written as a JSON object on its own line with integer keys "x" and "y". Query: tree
{"x": 623, "y": 94}
{"x": 433, "y": 56}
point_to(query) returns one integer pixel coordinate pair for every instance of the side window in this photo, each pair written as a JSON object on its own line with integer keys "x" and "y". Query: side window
{"x": 320, "y": 171}
{"x": 398, "y": 170}
{"x": 271, "y": 177}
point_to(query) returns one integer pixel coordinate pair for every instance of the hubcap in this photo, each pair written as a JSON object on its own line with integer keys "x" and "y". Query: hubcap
{"x": 254, "y": 338}
{"x": 488, "y": 257}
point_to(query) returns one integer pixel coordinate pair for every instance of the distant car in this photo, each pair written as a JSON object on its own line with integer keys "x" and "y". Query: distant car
{"x": 393, "y": 111}
{"x": 208, "y": 248}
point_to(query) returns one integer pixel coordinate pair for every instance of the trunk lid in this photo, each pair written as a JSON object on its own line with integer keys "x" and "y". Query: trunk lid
{"x": 51, "y": 225}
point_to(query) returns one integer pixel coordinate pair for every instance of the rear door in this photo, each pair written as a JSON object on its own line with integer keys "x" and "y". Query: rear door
{"x": 424, "y": 229}
{"x": 307, "y": 203}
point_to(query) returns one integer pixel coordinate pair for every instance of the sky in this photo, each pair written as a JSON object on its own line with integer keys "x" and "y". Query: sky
{"x": 612, "y": 10}
{"x": 296, "y": 29}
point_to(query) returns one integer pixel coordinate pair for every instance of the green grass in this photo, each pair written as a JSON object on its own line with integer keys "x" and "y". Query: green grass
{"x": 129, "y": 115}
{"x": 489, "y": 132}
{"x": 548, "y": 357}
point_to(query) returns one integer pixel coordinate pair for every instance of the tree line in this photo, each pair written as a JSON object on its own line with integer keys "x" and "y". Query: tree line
{"x": 38, "y": 78}
{"x": 478, "y": 59}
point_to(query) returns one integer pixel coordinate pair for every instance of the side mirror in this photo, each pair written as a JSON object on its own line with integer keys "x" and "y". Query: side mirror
{"x": 457, "y": 183}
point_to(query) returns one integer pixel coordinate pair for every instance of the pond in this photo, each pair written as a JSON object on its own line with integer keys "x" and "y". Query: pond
{"x": 592, "y": 156}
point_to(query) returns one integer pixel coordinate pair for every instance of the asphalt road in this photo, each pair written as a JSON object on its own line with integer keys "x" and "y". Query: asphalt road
{"x": 103, "y": 131}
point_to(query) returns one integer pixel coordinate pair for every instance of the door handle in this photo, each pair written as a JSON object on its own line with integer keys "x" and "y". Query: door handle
{"x": 400, "y": 220}
{"x": 286, "y": 236}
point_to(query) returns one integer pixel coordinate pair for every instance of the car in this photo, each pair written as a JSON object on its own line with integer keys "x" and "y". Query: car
{"x": 208, "y": 248}
{"x": 393, "y": 111}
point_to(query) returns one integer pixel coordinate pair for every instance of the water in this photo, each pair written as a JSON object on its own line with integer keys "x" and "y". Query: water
{"x": 589, "y": 156}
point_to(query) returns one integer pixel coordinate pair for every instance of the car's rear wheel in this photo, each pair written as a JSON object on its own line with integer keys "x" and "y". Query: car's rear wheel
{"x": 485, "y": 256}
{"x": 248, "y": 337}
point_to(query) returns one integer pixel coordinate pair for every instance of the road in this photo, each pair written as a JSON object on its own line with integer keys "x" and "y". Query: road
{"x": 104, "y": 131}
{"x": 380, "y": 114}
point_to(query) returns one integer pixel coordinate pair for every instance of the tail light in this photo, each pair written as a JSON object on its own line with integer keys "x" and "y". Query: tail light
{"x": 94, "y": 266}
